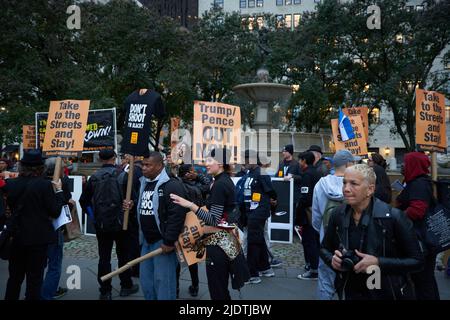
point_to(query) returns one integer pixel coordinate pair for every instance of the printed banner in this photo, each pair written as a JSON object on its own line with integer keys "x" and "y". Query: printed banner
{"x": 216, "y": 125}
{"x": 357, "y": 146}
{"x": 65, "y": 129}
{"x": 430, "y": 121}
{"x": 359, "y": 111}
{"x": 100, "y": 130}
{"x": 29, "y": 137}
{"x": 187, "y": 246}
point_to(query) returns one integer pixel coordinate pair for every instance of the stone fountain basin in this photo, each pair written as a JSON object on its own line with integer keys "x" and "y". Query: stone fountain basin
{"x": 261, "y": 91}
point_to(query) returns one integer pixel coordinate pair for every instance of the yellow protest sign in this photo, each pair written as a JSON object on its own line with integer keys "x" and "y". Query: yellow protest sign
{"x": 216, "y": 125}
{"x": 357, "y": 146}
{"x": 66, "y": 127}
{"x": 359, "y": 111}
{"x": 187, "y": 246}
{"x": 29, "y": 137}
{"x": 430, "y": 121}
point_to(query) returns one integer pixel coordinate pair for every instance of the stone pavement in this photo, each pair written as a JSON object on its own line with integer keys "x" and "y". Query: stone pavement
{"x": 284, "y": 286}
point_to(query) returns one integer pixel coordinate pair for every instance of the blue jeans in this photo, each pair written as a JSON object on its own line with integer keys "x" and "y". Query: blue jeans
{"x": 54, "y": 266}
{"x": 325, "y": 287}
{"x": 158, "y": 274}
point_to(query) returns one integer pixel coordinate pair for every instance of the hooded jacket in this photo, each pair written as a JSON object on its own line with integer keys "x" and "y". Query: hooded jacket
{"x": 417, "y": 195}
{"x": 328, "y": 188}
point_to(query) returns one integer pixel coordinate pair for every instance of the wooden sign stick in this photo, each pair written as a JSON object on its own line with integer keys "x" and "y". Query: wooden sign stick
{"x": 128, "y": 194}
{"x": 131, "y": 263}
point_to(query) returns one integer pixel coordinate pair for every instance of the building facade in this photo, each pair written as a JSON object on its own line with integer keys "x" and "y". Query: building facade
{"x": 184, "y": 11}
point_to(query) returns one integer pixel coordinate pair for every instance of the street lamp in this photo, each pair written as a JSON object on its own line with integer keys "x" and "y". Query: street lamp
{"x": 387, "y": 151}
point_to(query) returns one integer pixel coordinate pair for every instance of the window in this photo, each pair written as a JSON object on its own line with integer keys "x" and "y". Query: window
{"x": 287, "y": 2}
{"x": 260, "y": 21}
{"x": 447, "y": 113}
{"x": 243, "y": 4}
{"x": 251, "y": 3}
{"x": 297, "y": 1}
{"x": 375, "y": 113}
{"x": 259, "y": 3}
{"x": 316, "y": 1}
{"x": 419, "y": 8}
{"x": 218, "y": 4}
{"x": 296, "y": 20}
{"x": 279, "y": 2}
{"x": 288, "y": 21}
{"x": 279, "y": 21}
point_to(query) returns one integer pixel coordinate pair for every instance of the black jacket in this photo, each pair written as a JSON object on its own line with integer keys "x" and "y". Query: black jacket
{"x": 171, "y": 215}
{"x": 39, "y": 203}
{"x": 309, "y": 180}
{"x": 293, "y": 168}
{"x": 383, "y": 189}
{"x": 390, "y": 237}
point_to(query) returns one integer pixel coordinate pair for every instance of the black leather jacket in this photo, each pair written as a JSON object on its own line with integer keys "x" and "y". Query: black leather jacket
{"x": 390, "y": 237}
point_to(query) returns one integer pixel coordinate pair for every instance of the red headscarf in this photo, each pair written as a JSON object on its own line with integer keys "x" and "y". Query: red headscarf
{"x": 416, "y": 164}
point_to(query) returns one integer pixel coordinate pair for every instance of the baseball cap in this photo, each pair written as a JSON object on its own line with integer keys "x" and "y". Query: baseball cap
{"x": 342, "y": 157}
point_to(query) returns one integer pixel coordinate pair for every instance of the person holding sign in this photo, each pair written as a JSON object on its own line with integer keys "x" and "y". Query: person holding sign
{"x": 160, "y": 223}
{"x": 223, "y": 252}
{"x": 415, "y": 200}
{"x": 33, "y": 200}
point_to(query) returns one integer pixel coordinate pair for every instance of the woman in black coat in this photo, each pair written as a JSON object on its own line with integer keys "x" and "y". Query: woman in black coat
{"x": 366, "y": 235}
{"x": 33, "y": 200}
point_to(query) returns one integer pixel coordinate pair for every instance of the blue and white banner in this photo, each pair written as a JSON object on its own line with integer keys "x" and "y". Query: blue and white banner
{"x": 345, "y": 127}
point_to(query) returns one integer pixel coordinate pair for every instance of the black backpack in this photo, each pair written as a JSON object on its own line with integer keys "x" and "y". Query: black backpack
{"x": 107, "y": 200}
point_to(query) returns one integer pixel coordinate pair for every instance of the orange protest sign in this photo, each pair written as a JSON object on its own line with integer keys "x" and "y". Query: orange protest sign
{"x": 359, "y": 111}
{"x": 430, "y": 121}
{"x": 188, "y": 240}
{"x": 357, "y": 146}
{"x": 29, "y": 137}
{"x": 66, "y": 126}
{"x": 216, "y": 125}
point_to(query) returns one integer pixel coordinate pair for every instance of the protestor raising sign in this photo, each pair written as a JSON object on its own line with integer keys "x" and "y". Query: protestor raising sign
{"x": 216, "y": 126}
{"x": 357, "y": 146}
{"x": 66, "y": 125}
{"x": 430, "y": 121}
{"x": 140, "y": 105}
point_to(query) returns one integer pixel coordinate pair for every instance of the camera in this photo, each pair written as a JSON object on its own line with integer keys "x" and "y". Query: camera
{"x": 349, "y": 260}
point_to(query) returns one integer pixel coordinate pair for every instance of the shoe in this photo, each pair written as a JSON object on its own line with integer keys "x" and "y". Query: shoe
{"x": 275, "y": 263}
{"x": 308, "y": 275}
{"x": 193, "y": 291}
{"x": 60, "y": 293}
{"x": 267, "y": 273}
{"x": 254, "y": 280}
{"x": 125, "y": 292}
{"x": 105, "y": 296}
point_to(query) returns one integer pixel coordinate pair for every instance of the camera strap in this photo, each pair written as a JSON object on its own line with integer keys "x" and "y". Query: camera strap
{"x": 364, "y": 224}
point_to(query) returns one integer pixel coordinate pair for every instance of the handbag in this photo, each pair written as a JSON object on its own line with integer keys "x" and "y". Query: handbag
{"x": 72, "y": 230}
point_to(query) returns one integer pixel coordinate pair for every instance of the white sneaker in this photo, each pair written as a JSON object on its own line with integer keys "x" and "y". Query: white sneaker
{"x": 267, "y": 273}
{"x": 254, "y": 280}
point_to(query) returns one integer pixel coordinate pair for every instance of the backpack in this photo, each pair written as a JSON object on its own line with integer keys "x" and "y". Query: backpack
{"x": 193, "y": 193}
{"x": 331, "y": 204}
{"x": 107, "y": 200}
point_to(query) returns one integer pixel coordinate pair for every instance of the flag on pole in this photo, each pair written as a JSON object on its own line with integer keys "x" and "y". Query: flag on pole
{"x": 345, "y": 127}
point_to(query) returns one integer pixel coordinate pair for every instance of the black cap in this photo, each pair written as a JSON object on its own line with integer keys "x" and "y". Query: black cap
{"x": 315, "y": 147}
{"x": 106, "y": 154}
{"x": 289, "y": 148}
{"x": 32, "y": 157}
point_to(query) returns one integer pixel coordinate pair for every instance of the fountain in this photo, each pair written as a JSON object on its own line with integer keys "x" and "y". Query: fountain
{"x": 263, "y": 93}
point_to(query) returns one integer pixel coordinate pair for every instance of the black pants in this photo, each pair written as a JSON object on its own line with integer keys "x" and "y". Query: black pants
{"x": 193, "y": 270}
{"x": 311, "y": 245}
{"x": 29, "y": 262}
{"x": 105, "y": 245}
{"x": 257, "y": 258}
{"x": 424, "y": 281}
{"x": 218, "y": 273}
